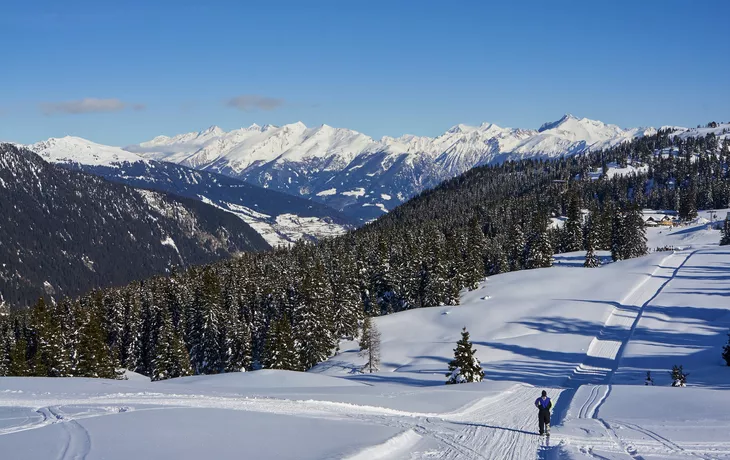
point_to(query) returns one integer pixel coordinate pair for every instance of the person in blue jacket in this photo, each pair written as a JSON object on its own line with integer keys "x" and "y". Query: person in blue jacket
{"x": 544, "y": 405}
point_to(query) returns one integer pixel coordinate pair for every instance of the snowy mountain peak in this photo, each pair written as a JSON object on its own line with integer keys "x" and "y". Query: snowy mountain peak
{"x": 71, "y": 149}
{"x": 460, "y": 129}
{"x": 212, "y": 131}
{"x": 554, "y": 124}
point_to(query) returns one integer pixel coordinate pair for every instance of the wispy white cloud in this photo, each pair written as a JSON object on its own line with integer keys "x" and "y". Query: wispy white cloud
{"x": 87, "y": 105}
{"x": 250, "y": 102}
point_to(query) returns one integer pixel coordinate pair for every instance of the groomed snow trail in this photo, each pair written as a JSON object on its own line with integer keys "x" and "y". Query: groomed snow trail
{"x": 603, "y": 359}
{"x": 605, "y": 350}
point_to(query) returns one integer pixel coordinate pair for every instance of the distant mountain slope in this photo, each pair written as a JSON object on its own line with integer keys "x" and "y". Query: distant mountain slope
{"x": 365, "y": 177}
{"x": 279, "y": 217}
{"x": 64, "y": 232}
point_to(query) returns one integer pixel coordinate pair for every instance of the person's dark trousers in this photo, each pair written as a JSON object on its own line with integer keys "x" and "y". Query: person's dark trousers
{"x": 544, "y": 419}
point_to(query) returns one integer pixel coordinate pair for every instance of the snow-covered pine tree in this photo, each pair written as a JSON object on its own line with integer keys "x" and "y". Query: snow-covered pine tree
{"x": 315, "y": 340}
{"x": 573, "y": 233}
{"x": 237, "y": 345}
{"x": 635, "y": 239}
{"x": 517, "y": 244}
{"x": 679, "y": 377}
{"x": 94, "y": 359}
{"x": 19, "y": 359}
{"x": 465, "y": 367}
{"x": 618, "y": 235}
{"x": 591, "y": 242}
{"x": 648, "y": 381}
{"x": 433, "y": 284}
{"x": 476, "y": 250}
{"x": 725, "y": 239}
{"x": 280, "y": 351}
{"x": 205, "y": 352}
{"x": 347, "y": 305}
{"x": 6, "y": 339}
{"x": 540, "y": 248}
{"x": 171, "y": 357}
{"x": 370, "y": 345}
{"x": 726, "y": 351}
{"x": 688, "y": 203}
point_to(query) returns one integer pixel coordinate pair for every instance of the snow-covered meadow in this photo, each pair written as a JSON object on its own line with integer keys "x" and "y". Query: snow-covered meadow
{"x": 588, "y": 336}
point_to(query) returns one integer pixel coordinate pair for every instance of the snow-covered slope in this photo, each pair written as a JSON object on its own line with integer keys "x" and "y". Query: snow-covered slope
{"x": 270, "y": 213}
{"x": 328, "y": 164}
{"x": 71, "y": 149}
{"x": 587, "y": 336}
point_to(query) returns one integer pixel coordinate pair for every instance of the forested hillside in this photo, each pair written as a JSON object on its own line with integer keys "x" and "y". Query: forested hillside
{"x": 63, "y": 233}
{"x": 289, "y": 308}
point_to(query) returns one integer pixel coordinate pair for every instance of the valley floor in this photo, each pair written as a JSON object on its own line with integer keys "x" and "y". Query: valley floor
{"x": 587, "y": 336}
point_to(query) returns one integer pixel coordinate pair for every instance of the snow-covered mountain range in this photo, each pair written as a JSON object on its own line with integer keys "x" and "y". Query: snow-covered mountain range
{"x": 278, "y": 217}
{"x": 348, "y": 170}
{"x": 364, "y": 176}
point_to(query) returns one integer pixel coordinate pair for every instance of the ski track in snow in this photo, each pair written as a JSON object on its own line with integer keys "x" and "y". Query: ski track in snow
{"x": 603, "y": 359}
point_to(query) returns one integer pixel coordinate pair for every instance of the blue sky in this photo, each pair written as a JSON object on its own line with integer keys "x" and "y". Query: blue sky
{"x": 124, "y": 72}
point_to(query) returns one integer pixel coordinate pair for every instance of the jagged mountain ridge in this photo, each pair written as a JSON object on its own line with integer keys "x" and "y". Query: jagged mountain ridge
{"x": 365, "y": 177}
{"x": 279, "y": 217}
{"x": 64, "y": 232}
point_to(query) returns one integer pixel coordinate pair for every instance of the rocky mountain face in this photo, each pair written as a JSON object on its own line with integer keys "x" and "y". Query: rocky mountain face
{"x": 64, "y": 232}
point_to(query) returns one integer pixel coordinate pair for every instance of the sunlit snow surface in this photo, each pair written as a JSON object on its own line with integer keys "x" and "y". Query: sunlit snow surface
{"x": 588, "y": 336}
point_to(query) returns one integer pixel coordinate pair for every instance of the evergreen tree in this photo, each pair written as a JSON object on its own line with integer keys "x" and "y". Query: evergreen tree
{"x": 6, "y": 339}
{"x": 315, "y": 340}
{"x": 370, "y": 345}
{"x": 618, "y": 235}
{"x": 648, "y": 381}
{"x": 237, "y": 345}
{"x": 725, "y": 239}
{"x": 635, "y": 239}
{"x": 18, "y": 359}
{"x": 465, "y": 367}
{"x": 50, "y": 358}
{"x": 540, "y": 248}
{"x": 205, "y": 353}
{"x": 573, "y": 234}
{"x": 679, "y": 377}
{"x": 94, "y": 359}
{"x": 517, "y": 248}
{"x": 591, "y": 241}
{"x": 171, "y": 357}
{"x": 688, "y": 202}
{"x": 281, "y": 352}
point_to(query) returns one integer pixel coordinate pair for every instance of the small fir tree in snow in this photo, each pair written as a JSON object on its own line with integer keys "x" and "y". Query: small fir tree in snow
{"x": 725, "y": 240}
{"x": 726, "y": 351}
{"x": 648, "y": 381}
{"x": 679, "y": 377}
{"x": 465, "y": 367}
{"x": 370, "y": 345}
